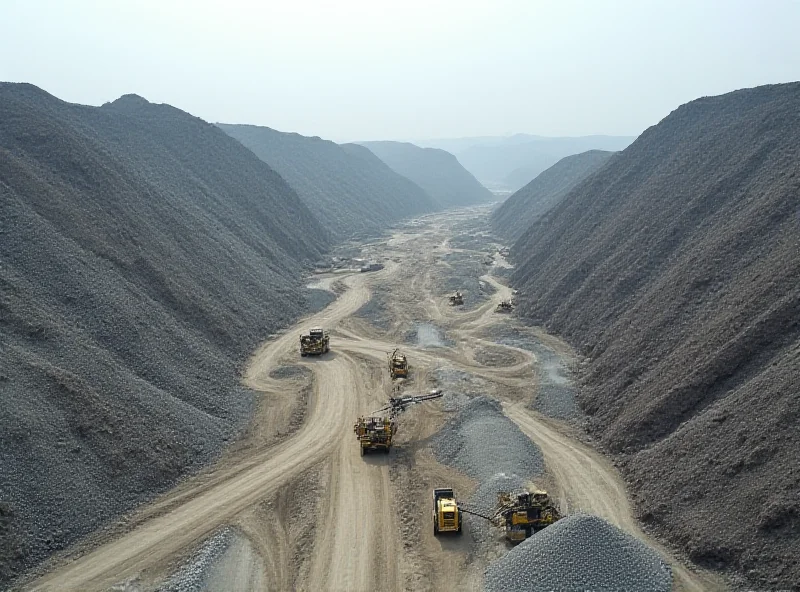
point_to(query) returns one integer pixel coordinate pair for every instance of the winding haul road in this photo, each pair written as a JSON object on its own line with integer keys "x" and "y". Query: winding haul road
{"x": 355, "y": 543}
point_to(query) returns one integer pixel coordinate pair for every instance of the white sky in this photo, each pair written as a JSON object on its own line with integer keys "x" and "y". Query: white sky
{"x": 381, "y": 69}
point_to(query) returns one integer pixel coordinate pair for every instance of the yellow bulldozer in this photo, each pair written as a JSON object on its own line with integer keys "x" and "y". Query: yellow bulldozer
{"x": 520, "y": 514}
{"x": 375, "y": 433}
{"x": 505, "y": 306}
{"x": 398, "y": 365}
{"x": 456, "y": 299}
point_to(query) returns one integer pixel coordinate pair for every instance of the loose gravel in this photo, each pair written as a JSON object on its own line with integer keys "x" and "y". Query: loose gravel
{"x": 557, "y": 395}
{"x": 480, "y": 441}
{"x": 580, "y": 553}
{"x": 451, "y": 380}
{"x": 284, "y": 372}
{"x": 192, "y": 575}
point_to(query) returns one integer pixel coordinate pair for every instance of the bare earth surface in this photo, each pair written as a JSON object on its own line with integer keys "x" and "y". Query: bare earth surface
{"x": 306, "y": 511}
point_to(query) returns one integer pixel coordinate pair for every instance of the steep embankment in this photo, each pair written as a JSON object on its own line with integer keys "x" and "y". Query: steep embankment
{"x": 352, "y": 193}
{"x": 534, "y": 200}
{"x": 676, "y": 270}
{"x": 436, "y": 171}
{"x": 144, "y": 253}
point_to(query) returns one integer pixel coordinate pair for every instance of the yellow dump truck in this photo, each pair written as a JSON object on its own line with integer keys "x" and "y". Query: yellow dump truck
{"x": 375, "y": 433}
{"x": 398, "y": 365}
{"x": 447, "y": 515}
{"x": 314, "y": 343}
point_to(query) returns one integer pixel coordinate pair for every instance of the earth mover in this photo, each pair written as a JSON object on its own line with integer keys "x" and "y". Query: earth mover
{"x": 456, "y": 299}
{"x": 375, "y": 433}
{"x": 447, "y": 516}
{"x": 505, "y": 306}
{"x": 315, "y": 343}
{"x": 521, "y": 514}
{"x": 398, "y": 365}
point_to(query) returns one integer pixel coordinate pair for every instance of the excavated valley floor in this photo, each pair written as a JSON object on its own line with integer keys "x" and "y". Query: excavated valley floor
{"x": 293, "y": 506}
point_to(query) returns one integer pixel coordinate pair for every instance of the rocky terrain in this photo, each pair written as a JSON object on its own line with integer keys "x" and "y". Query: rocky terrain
{"x": 675, "y": 271}
{"x": 580, "y": 552}
{"x": 514, "y": 161}
{"x": 436, "y": 171}
{"x": 354, "y": 192}
{"x": 145, "y": 253}
{"x": 534, "y": 200}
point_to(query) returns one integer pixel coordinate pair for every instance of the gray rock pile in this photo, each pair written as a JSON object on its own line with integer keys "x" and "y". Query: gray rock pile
{"x": 580, "y": 553}
{"x": 481, "y": 442}
{"x": 192, "y": 575}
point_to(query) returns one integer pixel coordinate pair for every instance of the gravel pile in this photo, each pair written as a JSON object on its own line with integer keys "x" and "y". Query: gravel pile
{"x": 192, "y": 575}
{"x": 557, "y": 395}
{"x": 376, "y": 309}
{"x": 461, "y": 273}
{"x": 480, "y": 441}
{"x": 579, "y": 553}
{"x": 283, "y": 372}
{"x": 451, "y": 380}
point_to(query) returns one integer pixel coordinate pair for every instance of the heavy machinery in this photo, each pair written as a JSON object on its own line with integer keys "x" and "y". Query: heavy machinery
{"x": 456, "y": 299}
{"x": 314, "y": 343}
{"x": 375, "y": 432}
{"x": 398, "y": 365}
{"x": 447, "y": 516}
{"x": 521, "y": 514}
{"x": 505, "y": 306}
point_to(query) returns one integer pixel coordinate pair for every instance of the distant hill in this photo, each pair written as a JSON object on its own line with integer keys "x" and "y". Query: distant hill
{"x": 436, "y": 171}
{"x": 353, "y": 192}
{"x": 676, "y": 270}
{"x": 145, "y": 253}
{"x": 512, "y": 162}
{"x": 531, "y": 202}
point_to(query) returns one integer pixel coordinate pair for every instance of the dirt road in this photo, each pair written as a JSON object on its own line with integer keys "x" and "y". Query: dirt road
{"x": 310, "y": 513}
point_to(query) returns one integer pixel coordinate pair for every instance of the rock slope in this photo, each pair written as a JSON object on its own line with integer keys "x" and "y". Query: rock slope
{"x": 534, "y": 200}
{"x": 676, "y": 270}
{"x": 576, "y": 554}
{"x": 144, "y": 253}
{"x": 436, "y": 171}
{"x": 354, "y": 192}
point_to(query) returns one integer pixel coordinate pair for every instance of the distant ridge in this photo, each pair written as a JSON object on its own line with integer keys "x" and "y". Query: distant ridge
{"x": 354, "y": 193}
{"x": 436, "y": 171}
{"x": 511, "y": 162}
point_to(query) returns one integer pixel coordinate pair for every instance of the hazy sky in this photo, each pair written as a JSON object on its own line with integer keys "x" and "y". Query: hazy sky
{"x": 380, "y": 69}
